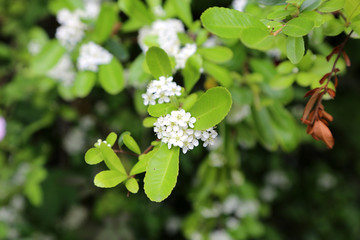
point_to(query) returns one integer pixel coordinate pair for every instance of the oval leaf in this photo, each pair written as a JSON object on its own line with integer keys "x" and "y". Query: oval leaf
{"x": 111, "y": 138}
{"x": 228, "y": 23}
{"x": 161, "y": 173}
{"x": 191, "y": 72}
{"x": 295, "y": 49}
{"x": 298, "y": 27}
{"x": 141, "y": 165}
{"x": 108, "y": 178}
{"x": 84, "y": 83}
{"x": 111, "y": 77}
{"x": 131, "y": 144}
{"x": 217, "y": 54}
{"x": 211, "y": 108}
{"x": 112, "y": 161}
{"x": 93, "y": 156}
{"x": 158, "y": 62}
{"x": 132, "y": 185}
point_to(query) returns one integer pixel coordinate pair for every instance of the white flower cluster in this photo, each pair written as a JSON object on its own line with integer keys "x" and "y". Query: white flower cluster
{"x": 162, "y": 90}
{"x": 99, "y": 141}
{"x": 63, "y": 71}
{"x": 72, "y": 28}
{"x": 239, "y": 5}
{"x": 177, "y": 129}
{"x": 166, "y": 32}
{"x": 91, "y": 55}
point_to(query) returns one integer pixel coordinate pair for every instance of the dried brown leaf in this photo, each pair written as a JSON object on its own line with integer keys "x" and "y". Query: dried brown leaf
{"x": 323, "y": 133}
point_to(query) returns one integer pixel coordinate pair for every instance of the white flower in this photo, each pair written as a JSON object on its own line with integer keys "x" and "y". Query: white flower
{"x": 239, "y": 5}
{"x": 91, "y": 9}
{"x": 184, "y": 55}
{"x": 277, "y": 178}
{"x": 175, "y": 129}
{"x": 220, "y": 235}
{"x": 71, "y": 30}
{"x": 63, "y": 71}
{"x": 34, "y": 47}
{"x": 161, "y": 90}
{"x": 91, "y": 56}
{"x": 159, "y": 11}
{"x": 99, "y": 141}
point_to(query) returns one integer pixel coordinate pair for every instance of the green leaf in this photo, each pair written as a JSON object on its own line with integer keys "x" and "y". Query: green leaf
{"x": 161, "y": 173}
{"x": 221, "y": 74}
{"x": 228, "y": 23}
{"x": 211, "y": 108}
{"x": 111, "y": 77}
{"x": 111, "y": 138}
{"x": 141, "y": 165}
{"x": 309, "y": 5}
{"x": 84, "y": 83}
{"x": 93, "y": 156}
{"x": 109, "y": 178}
{"x": 331, "y": 6}
{"x": 282, "y": 82}
{"x": 105, "y": 23}
{"x": 332, "y": 26}
{"x": 272, "y": 2}
{"x": 149, "y": 122}
{"x": 158, "y": 62}
{"x": 191, "y": 72}
{"x": 295, "y": 49}
{"x": 132, "y": 185}
{"x": 298, "y": 27}
{"x": 131, "y": 144}
{"x": 189, "y": 101}
{"x": 112, "y": 161}
{"x": 257, "y": 38}
{"x": 286, "y": 129}
{"x": 352, "y": 9}
{"x": 217, "y": 54}
{"x": 137, "y": 11}
{"x": 264, "y": 128}
{"x": 137, "y": 76}
{"x": 47, "y": 58}
{"x": 281, "y": 12}
{"x": 183, "y": 10}
{"x": 316, "y": 17}
{"x": 158, "y": 110}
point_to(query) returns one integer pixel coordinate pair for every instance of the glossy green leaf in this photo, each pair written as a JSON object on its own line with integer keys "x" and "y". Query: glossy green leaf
{"x": 111, "y": 77}
{"x": 257, "y": 38}
{"x": 309, "y": 5}
{"x": 211, "y": 108}
{"x": 149, "y": 122}
{"x": 131, "y": 144}
{"x": 137, "y": 75}
{"x": 161, "y": 173}
{"x": 93, "y": 156}
{"x": 105, "y": 23}
{"x": 298, "y": 27}
{"x": 316, "y": 17}
{"x": 48, "y": 57}
{"x": 112, "y": 161}
{"x": 332, "y": 26}
{"x": 281, "y": 12}
{"x": 191, "y": 72}
{"x": 295, "y": 49}
{"x": 136, "y": 10}
{"x": 217, "y": 54}
{"x": 221, "y": 74}
{"x": 111, "y": 138}
{"x": 109, "y": 178}
{"x": 272, "y": 2}
{"x": 158, "y": 62}
{"x": 352, "y": 8}
{"x": 228, "y": 23}
{"x": 84, "y": 83}
{"x": 141, "y": 165}
{"x": 132, "y": 185}
{"x": 331, "y": 6}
